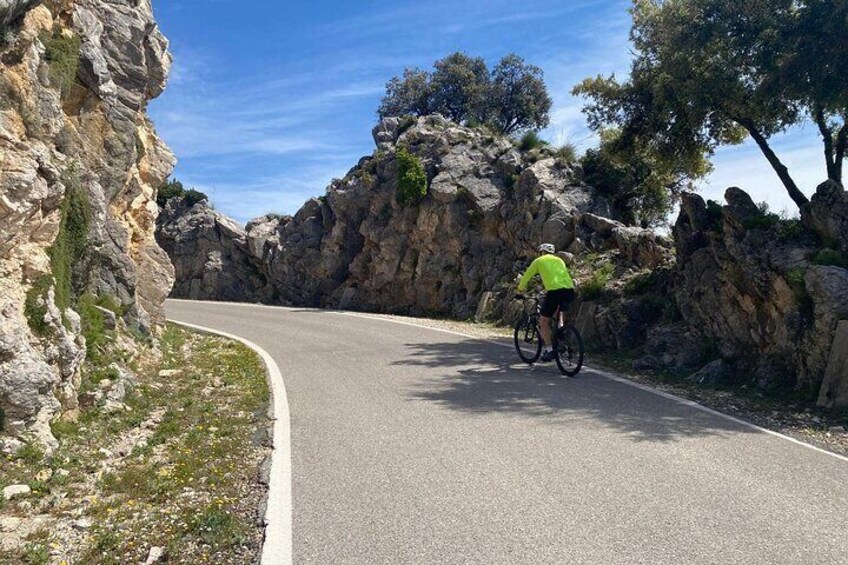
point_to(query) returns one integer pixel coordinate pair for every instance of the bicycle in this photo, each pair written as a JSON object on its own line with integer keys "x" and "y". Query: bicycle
{"x": 567, "y": 341}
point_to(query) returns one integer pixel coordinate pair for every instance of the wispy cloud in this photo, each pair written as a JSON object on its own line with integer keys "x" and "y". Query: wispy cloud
{"x": 281, "y": 193}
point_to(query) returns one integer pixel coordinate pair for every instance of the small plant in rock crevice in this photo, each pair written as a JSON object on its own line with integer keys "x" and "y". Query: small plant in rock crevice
{"x": 831, "y": 258}
{"x": 595, "y": 286}
{"x": 412, "y": 180}
{"x": 62, "y": 54}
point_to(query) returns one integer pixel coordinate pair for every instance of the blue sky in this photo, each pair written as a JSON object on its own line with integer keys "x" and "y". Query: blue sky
{"x": 268, "y": 102}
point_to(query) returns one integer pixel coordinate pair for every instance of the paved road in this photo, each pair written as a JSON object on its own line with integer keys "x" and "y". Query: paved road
{"x": 415, "y": 446}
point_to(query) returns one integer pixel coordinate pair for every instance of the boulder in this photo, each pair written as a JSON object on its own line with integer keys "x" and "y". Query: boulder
{"x": 643, "y": 248}
{"x": 15, "y": 491}
{"x": 828, "y": 212}
{"x": 386, "y": 132}
{"x": 487, "y": 209}
{"x": 834, "y": 388}
{"x": 600, "y": 225}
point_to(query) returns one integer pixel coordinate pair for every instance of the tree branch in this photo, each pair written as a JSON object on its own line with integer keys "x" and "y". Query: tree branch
{"x": 782, "y": 172}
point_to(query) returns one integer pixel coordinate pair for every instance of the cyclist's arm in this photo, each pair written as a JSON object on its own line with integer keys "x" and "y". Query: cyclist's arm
{"x": 531, "y": 272}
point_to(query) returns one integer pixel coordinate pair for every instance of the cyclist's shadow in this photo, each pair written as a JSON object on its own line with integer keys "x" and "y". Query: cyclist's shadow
{"x": 479, "y": 378}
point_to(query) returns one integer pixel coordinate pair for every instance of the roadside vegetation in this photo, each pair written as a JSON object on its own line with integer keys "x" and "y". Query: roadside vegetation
{"x": 170, "y": 468}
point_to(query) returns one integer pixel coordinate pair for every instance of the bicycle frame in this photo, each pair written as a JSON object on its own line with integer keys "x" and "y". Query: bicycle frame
{"x": 556, "y": 320}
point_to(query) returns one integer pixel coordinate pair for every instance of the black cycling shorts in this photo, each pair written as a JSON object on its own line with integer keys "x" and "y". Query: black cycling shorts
{"x": 560, "y": 298}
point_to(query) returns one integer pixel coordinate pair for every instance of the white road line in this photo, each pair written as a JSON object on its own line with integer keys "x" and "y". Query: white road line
{"x": 604, "y": 374}
{"x": 277, "y": 546}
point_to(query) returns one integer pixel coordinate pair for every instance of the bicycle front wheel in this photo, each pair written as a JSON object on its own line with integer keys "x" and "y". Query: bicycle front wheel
{"x": 569, "y": 350}
{"x": 528, "y": 344}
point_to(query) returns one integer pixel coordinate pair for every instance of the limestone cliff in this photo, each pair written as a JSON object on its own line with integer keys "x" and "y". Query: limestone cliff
{"x": 79, "y": 163}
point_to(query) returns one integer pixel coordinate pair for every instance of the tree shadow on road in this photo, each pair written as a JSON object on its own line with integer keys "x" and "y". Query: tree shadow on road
{"x": 482, "y": 378}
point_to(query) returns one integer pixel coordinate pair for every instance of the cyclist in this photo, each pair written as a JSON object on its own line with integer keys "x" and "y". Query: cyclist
{"x": 559, "y": 286}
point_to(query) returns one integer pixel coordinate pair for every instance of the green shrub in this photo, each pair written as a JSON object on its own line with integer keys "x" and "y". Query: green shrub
{"x": 831, "y": 258}
{"x": 72, "y": 242}
{"x": 531, "y": 140}
{"x": 764, "y": 220}
{"x": 63, "y": 56}
{"x": 36, "y": 554}
{"x": 412, "y": 180}
{"x": 790, "y": 229}
{"x": 35, "y": 307}
{"x": 167, "y": 190}
{"x": 193, "y": 197}
{"x": 595, "y": 286}
{"x": 175, "y": 189}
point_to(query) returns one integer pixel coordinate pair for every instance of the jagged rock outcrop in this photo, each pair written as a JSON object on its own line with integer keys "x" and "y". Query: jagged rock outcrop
{"x": 210, "y": 253}
{"x": 79, "y": 163}
{"x": 487, "y": 207}
{"x": 748, "y": 282}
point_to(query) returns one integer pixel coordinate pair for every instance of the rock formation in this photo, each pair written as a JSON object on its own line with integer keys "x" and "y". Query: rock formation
{"x": 211, "y": 254}
{"x": 79, "y": 163}
{"x": 488, "y": 206}
{"x": 749, "y": 282}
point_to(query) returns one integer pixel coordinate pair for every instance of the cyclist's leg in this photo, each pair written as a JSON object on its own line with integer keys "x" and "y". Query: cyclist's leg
{"x": 546, "y": 313}
{"x": 545, "y": 330}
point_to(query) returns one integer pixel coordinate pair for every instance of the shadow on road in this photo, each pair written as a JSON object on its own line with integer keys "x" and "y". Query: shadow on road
{"x": 482, "y": 378}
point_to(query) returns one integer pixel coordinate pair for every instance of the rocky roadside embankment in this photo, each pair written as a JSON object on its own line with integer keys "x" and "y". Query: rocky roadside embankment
{"x": 161, "y": 466}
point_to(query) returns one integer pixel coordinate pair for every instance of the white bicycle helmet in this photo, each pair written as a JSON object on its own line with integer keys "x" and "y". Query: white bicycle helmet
{"x": 547, "y": 248}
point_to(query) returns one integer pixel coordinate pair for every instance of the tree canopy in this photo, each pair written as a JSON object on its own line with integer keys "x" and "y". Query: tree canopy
{"x": 510, "y": 98}
{"x": 711, "y": 72}
{"x": 641, "y": 184}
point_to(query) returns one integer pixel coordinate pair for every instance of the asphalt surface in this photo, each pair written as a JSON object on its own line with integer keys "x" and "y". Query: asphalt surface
{"x": 413, "y": 446}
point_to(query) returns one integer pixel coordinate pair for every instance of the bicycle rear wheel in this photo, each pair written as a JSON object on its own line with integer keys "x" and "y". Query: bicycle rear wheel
{"x": 528, "y": 344}
{"x": 569, "y": 350}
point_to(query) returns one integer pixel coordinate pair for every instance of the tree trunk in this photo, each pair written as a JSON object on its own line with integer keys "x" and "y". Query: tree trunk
{"x": 841, "y": 143}
{"x": 827, "y": 137}
{"x": 782, "y": 172}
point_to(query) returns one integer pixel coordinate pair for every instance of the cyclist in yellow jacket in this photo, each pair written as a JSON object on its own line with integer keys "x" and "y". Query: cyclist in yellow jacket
{"x": 559, "y": 286}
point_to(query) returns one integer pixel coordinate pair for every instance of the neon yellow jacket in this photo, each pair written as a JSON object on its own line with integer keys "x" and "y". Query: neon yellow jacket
{"x": 553, "y": 271}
